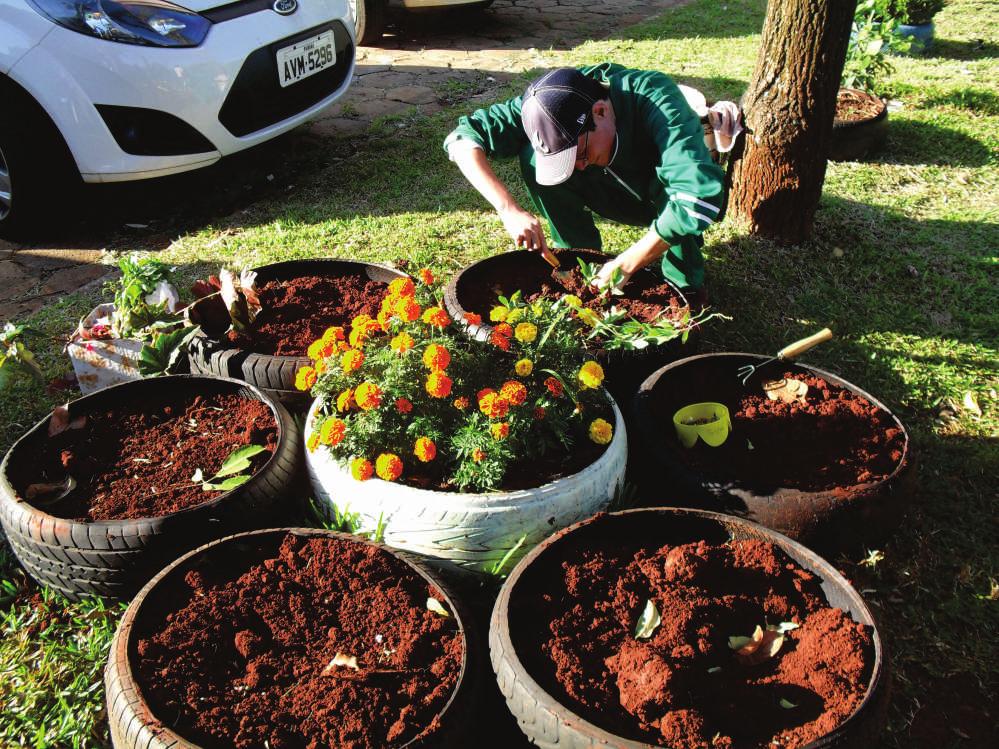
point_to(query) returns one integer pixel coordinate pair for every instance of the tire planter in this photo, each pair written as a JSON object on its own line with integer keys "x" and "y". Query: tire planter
{"x": 132, "y": 721}
{"x": 625, "y": 369}
{"x": 920, "y": 36}
{"x": 828, "y": 520}
{"x": 114, "y": 558}
{"x": 552, "y": 725}
{"x": 856, "y": 139}
{"x": 471, "y": 531}
{"x": 275, "y": 374}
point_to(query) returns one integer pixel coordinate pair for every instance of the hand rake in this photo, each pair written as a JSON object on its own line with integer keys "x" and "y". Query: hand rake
{"x": 788, "y": 352}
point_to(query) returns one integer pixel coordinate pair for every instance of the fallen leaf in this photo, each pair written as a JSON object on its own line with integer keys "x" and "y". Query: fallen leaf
{"x": 763, "y": 645}
{"x": 786, "y": 390}
{"x": 787, "y": 704}
{"x": 339, "y": 660}
{"x": 971, "y": 403}
{"x": 437, "y": 607}
{"x": 648, "y": 621}
{"x": 59, "y": 422}
{"x": 783, "y": 627}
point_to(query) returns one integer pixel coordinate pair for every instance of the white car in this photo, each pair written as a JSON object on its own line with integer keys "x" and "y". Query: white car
{"x": 369, "y": 15}
{"x": 116, "y": 90}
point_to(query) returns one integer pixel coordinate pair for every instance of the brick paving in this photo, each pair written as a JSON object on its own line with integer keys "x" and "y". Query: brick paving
{"x": 425, "y": 62}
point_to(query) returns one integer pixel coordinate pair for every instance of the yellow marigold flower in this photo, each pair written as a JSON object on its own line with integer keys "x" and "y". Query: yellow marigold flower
{"x": 537, "y": 308}
{"x": 315, "y": 350}
{"x": 588, "y": 316}
{"x": 359, "y": 322}
{"x": 368, "y": 395}
{"x": 313, "y": 442}
{"x": 498, "y": 314}
{"x": 426, "y": 276}
{"x": 402, "y": 343}
{"x": 494, "y": 405}
{"x": 305, "y": 378}
{"x": 461, "y": 403}
{"x": 332, "y": 432}
{"x": 436, "y": 317}
{"x": 320, "y": 366}
{"x": 515, "y": 314}
{"x": 425, "y": 449}
{"x": 590, "y": 375}
{"x": 402, "y": 287}
{"x": 345, "y": 401}
{"x": 601, "y": 432}
{"x": 334, "y": 335}
{"x": 500, "y": 430}
{"x": 388, "y": 466}
{"x": 361, "y": 469}
{"x": 436, "y": 357}
{"x": 384, "y": 320}
{"x": 351, "y": 360}
{"x": 408, "y": 309}
{"x": 572, "y": 300}
{"x": 525, "y": 332}
{"x": 358, "y": 337}
{"x": 514, "y": 391}
{"x": 523, "y": 367}
{"x": 438, "y": 384}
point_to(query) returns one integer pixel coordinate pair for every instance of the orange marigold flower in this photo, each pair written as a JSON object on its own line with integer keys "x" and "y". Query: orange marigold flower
{"x": 315, "y": 350}
{"x": 504, "y": 329}
{"x": 351, "y": 360}
{"x": 483, "y": 393}
{"x": 601, "y": 431}
{"x": 554, "y": 387}
{"x": 425, "y": 449}
{"x": 436, "y": 317}
{"x": 436, "y": 357}
{"x": 305, "y": 378}
{"x": 539, "y": 413}
{"x": 514, "y": 391}
{"x": 478, "y": 455}
{"x": 407, "y": 308}
{"x": 403, "y": 405}
{"x": 388, "y": 466}
{"x": 499, "y": 430}
{"x": 361, "y": 469}
{"x": 358, "y": 337}
{"x": 472, "y": 318}
{"x": 402, "y": 343}
{"x": 359, "y": 322}
{"x": 332, "y": 432}
{"x": 402, "y": 287}
{"x": 331, "y": 348}
{"x": 499, "y": 341}
{"x": 345, "y": 401}
{"x": 426, "y": 276}
{"x": 334, "y": 335}
{"x": 494, "y": 405}
{"x": 461, "y": 403}
{"x": 368, "y": 395}
{"x": 384, "y": 320}
{"x": 438, "y": 384}
{"x": 313, "y": 442}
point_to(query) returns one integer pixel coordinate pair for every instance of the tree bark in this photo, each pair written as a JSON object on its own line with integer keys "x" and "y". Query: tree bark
{"x": 789, "y": 112}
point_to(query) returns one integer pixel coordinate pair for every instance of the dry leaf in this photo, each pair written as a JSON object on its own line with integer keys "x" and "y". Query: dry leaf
{"x": 648, "y": 621}
{"x": 59, "y": 421}
{"x": 971, "y": 403}
{"x": 340, "y": 659}
{"x": 437, "y": 607}
{"x": 786, "y": 390}
{"x": 763, "y": 645}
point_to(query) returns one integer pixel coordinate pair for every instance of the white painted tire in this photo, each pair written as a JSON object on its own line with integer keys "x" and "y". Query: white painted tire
{"x": 473, "y": 531}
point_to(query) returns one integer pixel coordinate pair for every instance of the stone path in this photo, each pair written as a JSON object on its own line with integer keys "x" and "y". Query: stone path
{"x": 426, "y": 61}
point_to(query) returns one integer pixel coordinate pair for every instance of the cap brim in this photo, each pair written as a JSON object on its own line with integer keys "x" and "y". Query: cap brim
{"x": 554, "y": 168}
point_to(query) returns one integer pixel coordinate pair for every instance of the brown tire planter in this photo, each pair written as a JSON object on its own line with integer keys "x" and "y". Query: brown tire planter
{"x": 523, "y": 637}
{"x": 860, "y": 127}
{"x": 114, "y": 558}
{"x": 800, "y": 497}
{"x": 241, "y": 582}
{"x": 211, "y": 354}
{"x": 625, "y": 369}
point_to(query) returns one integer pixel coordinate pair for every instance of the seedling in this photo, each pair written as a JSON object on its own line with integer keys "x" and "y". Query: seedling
{"x": 160, "y": 356}
{"x": 15, "y": 356}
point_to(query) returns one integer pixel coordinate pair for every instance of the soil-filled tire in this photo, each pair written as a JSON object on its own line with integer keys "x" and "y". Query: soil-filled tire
{"x": 114, "y": 558}
{"x": 855, "y": 140}
{"x": 134, "y": 726}
{"x": 369, "y": 19}
{"x": 209, "y": 355}
{"x": 551, "y": 725}
{"x": 38, "y": 176}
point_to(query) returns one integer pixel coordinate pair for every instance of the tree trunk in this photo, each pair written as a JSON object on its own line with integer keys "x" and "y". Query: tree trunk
{"x": 789, "y": 112}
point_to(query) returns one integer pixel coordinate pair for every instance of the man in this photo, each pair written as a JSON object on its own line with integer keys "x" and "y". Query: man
{"x": 605, "y": 139}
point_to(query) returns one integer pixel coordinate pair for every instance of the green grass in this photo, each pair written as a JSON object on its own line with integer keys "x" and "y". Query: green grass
{"x": 903, "y": 266}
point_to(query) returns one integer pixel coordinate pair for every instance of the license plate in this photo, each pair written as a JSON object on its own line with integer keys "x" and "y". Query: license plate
{"x": 305, "y": 58}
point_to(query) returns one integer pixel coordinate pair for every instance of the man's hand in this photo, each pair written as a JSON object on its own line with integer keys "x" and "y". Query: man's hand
{"x": 607, "y": 276}
{"x": 646, "y": 250}
{"x": 524, "y": 228}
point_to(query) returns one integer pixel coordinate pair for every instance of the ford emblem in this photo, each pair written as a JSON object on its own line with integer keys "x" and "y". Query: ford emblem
{"x": 285, "y": 7}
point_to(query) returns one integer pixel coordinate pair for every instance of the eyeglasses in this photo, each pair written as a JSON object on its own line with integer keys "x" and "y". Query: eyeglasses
{"x": 583, "y": 161}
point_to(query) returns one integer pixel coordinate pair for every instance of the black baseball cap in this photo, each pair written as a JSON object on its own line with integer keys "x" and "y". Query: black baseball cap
{"x": 554, "y": 111}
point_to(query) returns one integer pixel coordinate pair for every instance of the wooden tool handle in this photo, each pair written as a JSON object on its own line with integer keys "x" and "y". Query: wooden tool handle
{"x": 550, "y": 258}
{"x": 799, "y": 347}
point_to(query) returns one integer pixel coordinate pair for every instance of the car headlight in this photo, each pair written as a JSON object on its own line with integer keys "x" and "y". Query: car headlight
{"x": 154, "y": 23}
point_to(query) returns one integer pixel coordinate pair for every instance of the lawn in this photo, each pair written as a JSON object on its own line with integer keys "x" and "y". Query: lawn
{"x": 904, "y": 267}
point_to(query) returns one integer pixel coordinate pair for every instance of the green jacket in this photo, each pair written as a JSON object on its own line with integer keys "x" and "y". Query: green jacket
{"x": 662, "y": 175}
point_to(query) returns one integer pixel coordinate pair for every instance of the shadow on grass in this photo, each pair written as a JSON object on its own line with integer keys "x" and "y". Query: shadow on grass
{"x": 975, "y": 49}
{"x": 979, "y": 101}
{"x": 924, "y": 143}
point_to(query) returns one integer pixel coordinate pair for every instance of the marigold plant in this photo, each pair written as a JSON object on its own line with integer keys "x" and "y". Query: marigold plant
{"x": 407, "y": 397}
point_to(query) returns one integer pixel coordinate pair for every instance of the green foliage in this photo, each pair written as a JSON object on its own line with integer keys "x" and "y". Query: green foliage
{"x": 140, "y": 277}
{"x": 161, "y": 355}
{"x": 15, "y": 358}
{"x": 497, "y": 569}
{"x": 872, "y": 37}
{"x": 231, "y": 474}
{"x": 919, "y": 12}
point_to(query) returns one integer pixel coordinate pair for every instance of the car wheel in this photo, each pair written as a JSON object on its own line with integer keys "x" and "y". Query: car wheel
{"x": 37, "y": 173}
{"x": 369, "y": 19}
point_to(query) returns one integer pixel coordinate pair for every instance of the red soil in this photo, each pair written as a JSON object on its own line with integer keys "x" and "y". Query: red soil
{"x": 125, "y": 458}
{"x": 684, "y": 687}
{"x": 241, "y": 662}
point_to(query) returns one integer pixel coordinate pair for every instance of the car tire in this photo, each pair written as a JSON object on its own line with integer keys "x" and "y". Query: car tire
{"x": 369, "y": 19}
{"x": 37, "y": 173}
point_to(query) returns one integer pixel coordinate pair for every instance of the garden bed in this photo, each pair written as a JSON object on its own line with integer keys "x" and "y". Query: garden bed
{"x": 292, "y": 639}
